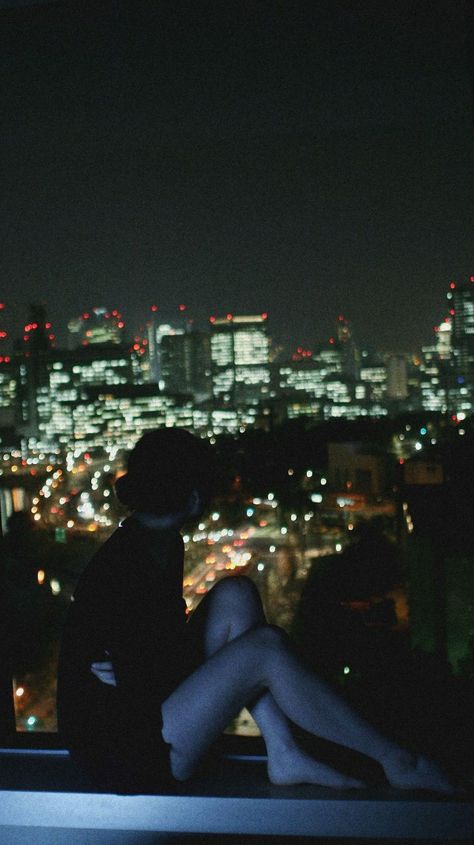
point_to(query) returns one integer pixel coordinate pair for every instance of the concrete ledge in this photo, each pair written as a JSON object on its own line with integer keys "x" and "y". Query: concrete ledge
{"x": 235, "y": 800}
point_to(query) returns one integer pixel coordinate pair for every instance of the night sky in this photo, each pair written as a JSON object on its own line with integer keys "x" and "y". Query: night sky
{"x": 300, "y": 158}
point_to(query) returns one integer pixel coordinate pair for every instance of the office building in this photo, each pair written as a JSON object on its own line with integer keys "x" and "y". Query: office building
{"x": 240, "y": 358}
{"x": 185, "y": 362}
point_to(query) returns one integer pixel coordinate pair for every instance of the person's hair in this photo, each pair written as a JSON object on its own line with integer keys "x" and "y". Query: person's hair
{"x": 164, "y": 467}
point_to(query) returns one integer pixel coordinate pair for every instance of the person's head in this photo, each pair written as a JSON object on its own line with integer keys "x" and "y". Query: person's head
{"x": 164, "y": 469}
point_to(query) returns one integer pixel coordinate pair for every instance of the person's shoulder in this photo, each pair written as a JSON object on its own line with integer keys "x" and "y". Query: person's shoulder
{"x": 100, "y": 565}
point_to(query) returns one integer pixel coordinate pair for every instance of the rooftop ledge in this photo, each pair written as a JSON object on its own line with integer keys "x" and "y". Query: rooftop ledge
{"x": 45, "y": 800}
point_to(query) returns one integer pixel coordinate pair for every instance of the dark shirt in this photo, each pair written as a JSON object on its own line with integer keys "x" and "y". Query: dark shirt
{"x": 129, "y": 603}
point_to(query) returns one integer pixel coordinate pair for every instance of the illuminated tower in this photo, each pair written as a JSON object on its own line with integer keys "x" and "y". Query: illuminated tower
{"x": 31, "y": 354}
{"x": 461, "y": 316}
{"x": 462, "y": 312}
{"x": 397, "y": 379}
{"x": 164, "y": 322}
{"x": 240, "y": 358}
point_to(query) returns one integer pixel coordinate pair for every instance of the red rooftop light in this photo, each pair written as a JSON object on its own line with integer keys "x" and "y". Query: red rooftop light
{"x": 182, "y": 308}
{"x": 154, "y": 307}
{"x": 212, "y": 319}
{"x": 2, "y": 304}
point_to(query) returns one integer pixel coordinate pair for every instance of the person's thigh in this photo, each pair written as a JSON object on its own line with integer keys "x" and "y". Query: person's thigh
{"x": 197, "y": 711}
{"x": 231, "y": 607}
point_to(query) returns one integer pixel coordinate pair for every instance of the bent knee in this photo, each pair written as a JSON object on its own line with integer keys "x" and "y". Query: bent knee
{"x": 235, "y": 587}
{"x": 269, "y": 636}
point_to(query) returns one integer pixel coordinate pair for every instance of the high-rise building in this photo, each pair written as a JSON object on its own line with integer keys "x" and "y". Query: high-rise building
{"x": 432, "y": 384}
{"x": 373, "y": 375}
{"x": 38, "y": 335}
{"x": 163, "y": 322}
{"x": 455, "y": 347}
{"x": 50, "y": 385}
{"x": 344, "y": 340}
{"x": 240, "y": 358}
{"x": 96, "y": 326}
{"x": 462, "y": 311}
{"x": 397, "y": 385}
{"x": 8, "y": 391}
{"x": 185, "y": 361}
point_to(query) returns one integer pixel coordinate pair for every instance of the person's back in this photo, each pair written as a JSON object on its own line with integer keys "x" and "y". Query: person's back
{"x": 127, "y": 605}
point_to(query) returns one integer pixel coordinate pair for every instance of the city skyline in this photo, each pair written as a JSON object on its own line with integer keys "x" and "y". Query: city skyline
{"x": 304, "y": 160}
{"x": 176, "y": 311}
{"x": 100, "y": 392}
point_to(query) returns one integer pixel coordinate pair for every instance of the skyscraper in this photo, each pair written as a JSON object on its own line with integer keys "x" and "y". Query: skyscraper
{"x": 397, "y": 386}
{"x": 240, "y": 358}
{"x": 185, "y": 362}
{"x": 96, "y": 326}
{"x": 462, "y": 312}
{"x": 460, "y": 381}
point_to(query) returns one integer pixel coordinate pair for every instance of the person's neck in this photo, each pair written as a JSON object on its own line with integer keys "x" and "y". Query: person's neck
{"x": 159, "y": 523}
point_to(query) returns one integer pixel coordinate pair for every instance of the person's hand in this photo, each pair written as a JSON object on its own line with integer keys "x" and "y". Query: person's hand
{"x": 104, "y": 671}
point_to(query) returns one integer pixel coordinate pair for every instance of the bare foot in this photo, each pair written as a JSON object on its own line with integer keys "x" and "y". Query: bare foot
{"x": 407, "y": 771}
{"x": 295, "y": 766}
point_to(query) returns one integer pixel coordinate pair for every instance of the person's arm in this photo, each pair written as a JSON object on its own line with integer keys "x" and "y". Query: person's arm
{"x": 104, "y": 671}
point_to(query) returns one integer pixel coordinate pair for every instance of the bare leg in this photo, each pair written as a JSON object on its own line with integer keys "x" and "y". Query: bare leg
{"x": 255, "y": 663}
{"x": 231, "y": 608}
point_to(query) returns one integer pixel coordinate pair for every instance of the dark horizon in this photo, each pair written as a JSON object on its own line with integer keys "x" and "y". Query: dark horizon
{"x": 303, "y": 159}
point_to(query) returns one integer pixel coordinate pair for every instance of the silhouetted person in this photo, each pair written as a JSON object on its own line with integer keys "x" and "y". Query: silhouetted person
{"x": 337, "y": 620}
{"x": 143, "y": 693}
{"x": 25, "y": 551}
